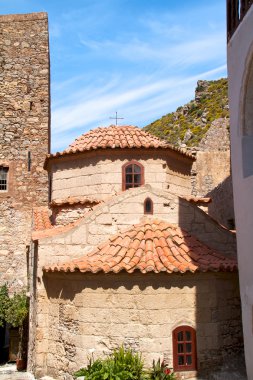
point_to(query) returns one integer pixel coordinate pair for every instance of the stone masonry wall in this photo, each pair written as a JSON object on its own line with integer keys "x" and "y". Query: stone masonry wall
{"x": 24, "y": 132}
{"x": 212, "y": 178}
{"x": 212, "y": 174}
{"x": 62, "y": 215}
{"x": 99, "y": 173}
{"x": 79, "y": 312}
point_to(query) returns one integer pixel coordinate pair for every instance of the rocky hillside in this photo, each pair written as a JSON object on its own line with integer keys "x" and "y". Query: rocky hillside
{"x": 189, "y": 124}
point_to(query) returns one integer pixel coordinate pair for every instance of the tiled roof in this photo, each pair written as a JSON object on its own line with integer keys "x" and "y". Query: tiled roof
{"x": 54, "y": 230}
{"x": 151, "y": 246}
{"x": 197, "y": 200}
{"x": 75, "y": 200}
{"x": 41, "y": 219}
{"x": 127, "y": 136}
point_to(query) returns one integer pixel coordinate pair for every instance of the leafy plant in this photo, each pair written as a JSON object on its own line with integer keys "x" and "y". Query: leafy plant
{"x": 17, "y": 309}
{"x": 13, "y": 310}
{"x": 4, "y": 303}
{"x": 160, "y": 371}
{"x": 121, "y": 365}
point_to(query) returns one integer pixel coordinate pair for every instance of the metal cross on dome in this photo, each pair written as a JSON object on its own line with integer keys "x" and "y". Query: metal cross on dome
{"x": 117, "y": 118}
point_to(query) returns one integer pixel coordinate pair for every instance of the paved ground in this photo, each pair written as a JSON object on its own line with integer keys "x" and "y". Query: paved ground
{"x": 9, "y": 372}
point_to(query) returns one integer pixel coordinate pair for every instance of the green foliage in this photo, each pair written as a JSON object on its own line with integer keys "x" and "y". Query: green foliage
{"x": 4, "y": 303}
{"x": 211, "y": 103}
{"x": 13, "y": 310}
{"x": 160, "y": 371}
{"x": 17, "y": 309}
{"x": 121, "y": 365}
{"x": 124, "y": 365}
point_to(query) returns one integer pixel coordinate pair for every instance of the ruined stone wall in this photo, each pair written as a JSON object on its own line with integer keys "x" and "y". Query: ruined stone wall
{"x": 99, "y": 173}
{"x": 80, "y": 312}
{"x": 24, "y": 136}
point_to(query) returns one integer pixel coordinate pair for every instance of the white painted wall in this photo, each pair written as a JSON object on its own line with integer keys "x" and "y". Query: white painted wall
{"x": 240, "y": 68}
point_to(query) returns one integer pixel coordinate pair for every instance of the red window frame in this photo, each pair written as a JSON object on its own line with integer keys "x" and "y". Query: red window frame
{"x": 184, "y": 349}
{"x": 151, "y": 206}
{"x": 128, "y": 184}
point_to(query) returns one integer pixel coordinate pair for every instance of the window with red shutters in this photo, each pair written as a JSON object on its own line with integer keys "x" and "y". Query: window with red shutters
{"x": 132, "y": 175}
{"x": 184, "y": 349}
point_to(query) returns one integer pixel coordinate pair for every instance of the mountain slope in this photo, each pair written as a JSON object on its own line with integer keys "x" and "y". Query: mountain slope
{"x": 189, "y": 123}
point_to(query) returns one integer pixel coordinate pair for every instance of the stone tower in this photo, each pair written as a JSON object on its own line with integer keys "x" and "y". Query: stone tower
{"x": 24, "y": 137}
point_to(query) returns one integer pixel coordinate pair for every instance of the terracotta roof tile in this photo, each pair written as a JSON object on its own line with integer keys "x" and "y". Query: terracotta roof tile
{"x": 43, "y": 228}
{"x": 41, "y": 219}
{"x": 75, "y": 200}
{"x": 197, "y": 200}
{"x": 146, "y": 250}
{"x": 127, "y": 136}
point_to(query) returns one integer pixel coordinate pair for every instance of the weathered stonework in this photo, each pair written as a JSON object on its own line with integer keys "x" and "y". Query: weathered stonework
{"x": 212, "y": 174}
{"x": 63, "y": 215}
{"x": 74, "y": 311}
{"x": 24, "y": 134}
{"x": 79, "y": 312}
{"x": 99, "y": 173}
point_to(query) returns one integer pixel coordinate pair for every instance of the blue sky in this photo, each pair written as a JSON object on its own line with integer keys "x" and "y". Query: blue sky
{"x": 141, "y": 58}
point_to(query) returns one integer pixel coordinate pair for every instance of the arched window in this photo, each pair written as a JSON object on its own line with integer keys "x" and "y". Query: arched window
{"x": 184, "y": 349}
{"x": 132, "y": 175}
{"x": 148, "y": 206}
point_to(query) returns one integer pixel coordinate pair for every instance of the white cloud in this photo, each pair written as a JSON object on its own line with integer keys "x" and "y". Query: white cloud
{"x": 137, "y": 104}
{"x": 143, "y": 71}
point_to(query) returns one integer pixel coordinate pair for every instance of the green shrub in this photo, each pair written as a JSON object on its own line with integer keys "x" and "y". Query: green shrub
{"x": 121, "y": 365}
{"x": 17, "y": 309}
{"x": 13, "y": 310}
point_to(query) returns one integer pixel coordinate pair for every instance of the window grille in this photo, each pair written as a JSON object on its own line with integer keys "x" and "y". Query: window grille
{"x": 132, "y": 175}
{"x": 3, "y": 178}
{"x": 184, "y": 349}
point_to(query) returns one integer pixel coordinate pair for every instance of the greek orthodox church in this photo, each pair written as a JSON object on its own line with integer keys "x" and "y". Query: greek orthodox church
{"x": 125, "y": 255}
{"x": 110, "y": 238}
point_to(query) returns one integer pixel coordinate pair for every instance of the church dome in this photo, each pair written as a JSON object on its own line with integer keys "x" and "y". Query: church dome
{"x": 115, "y": 136}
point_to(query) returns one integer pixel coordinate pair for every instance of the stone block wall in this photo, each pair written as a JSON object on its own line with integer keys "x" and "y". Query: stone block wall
{"x": 62, "y": 215}
{"x": 78, "y": 312}
{"x": 99, "y": 173}
{"x": 24, "y": 135}
{"x": 212, "y": 178}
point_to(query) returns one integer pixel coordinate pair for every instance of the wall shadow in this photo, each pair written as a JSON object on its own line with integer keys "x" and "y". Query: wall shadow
{"x": 220, "y": 352}
{"x": 222, "y": 206}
